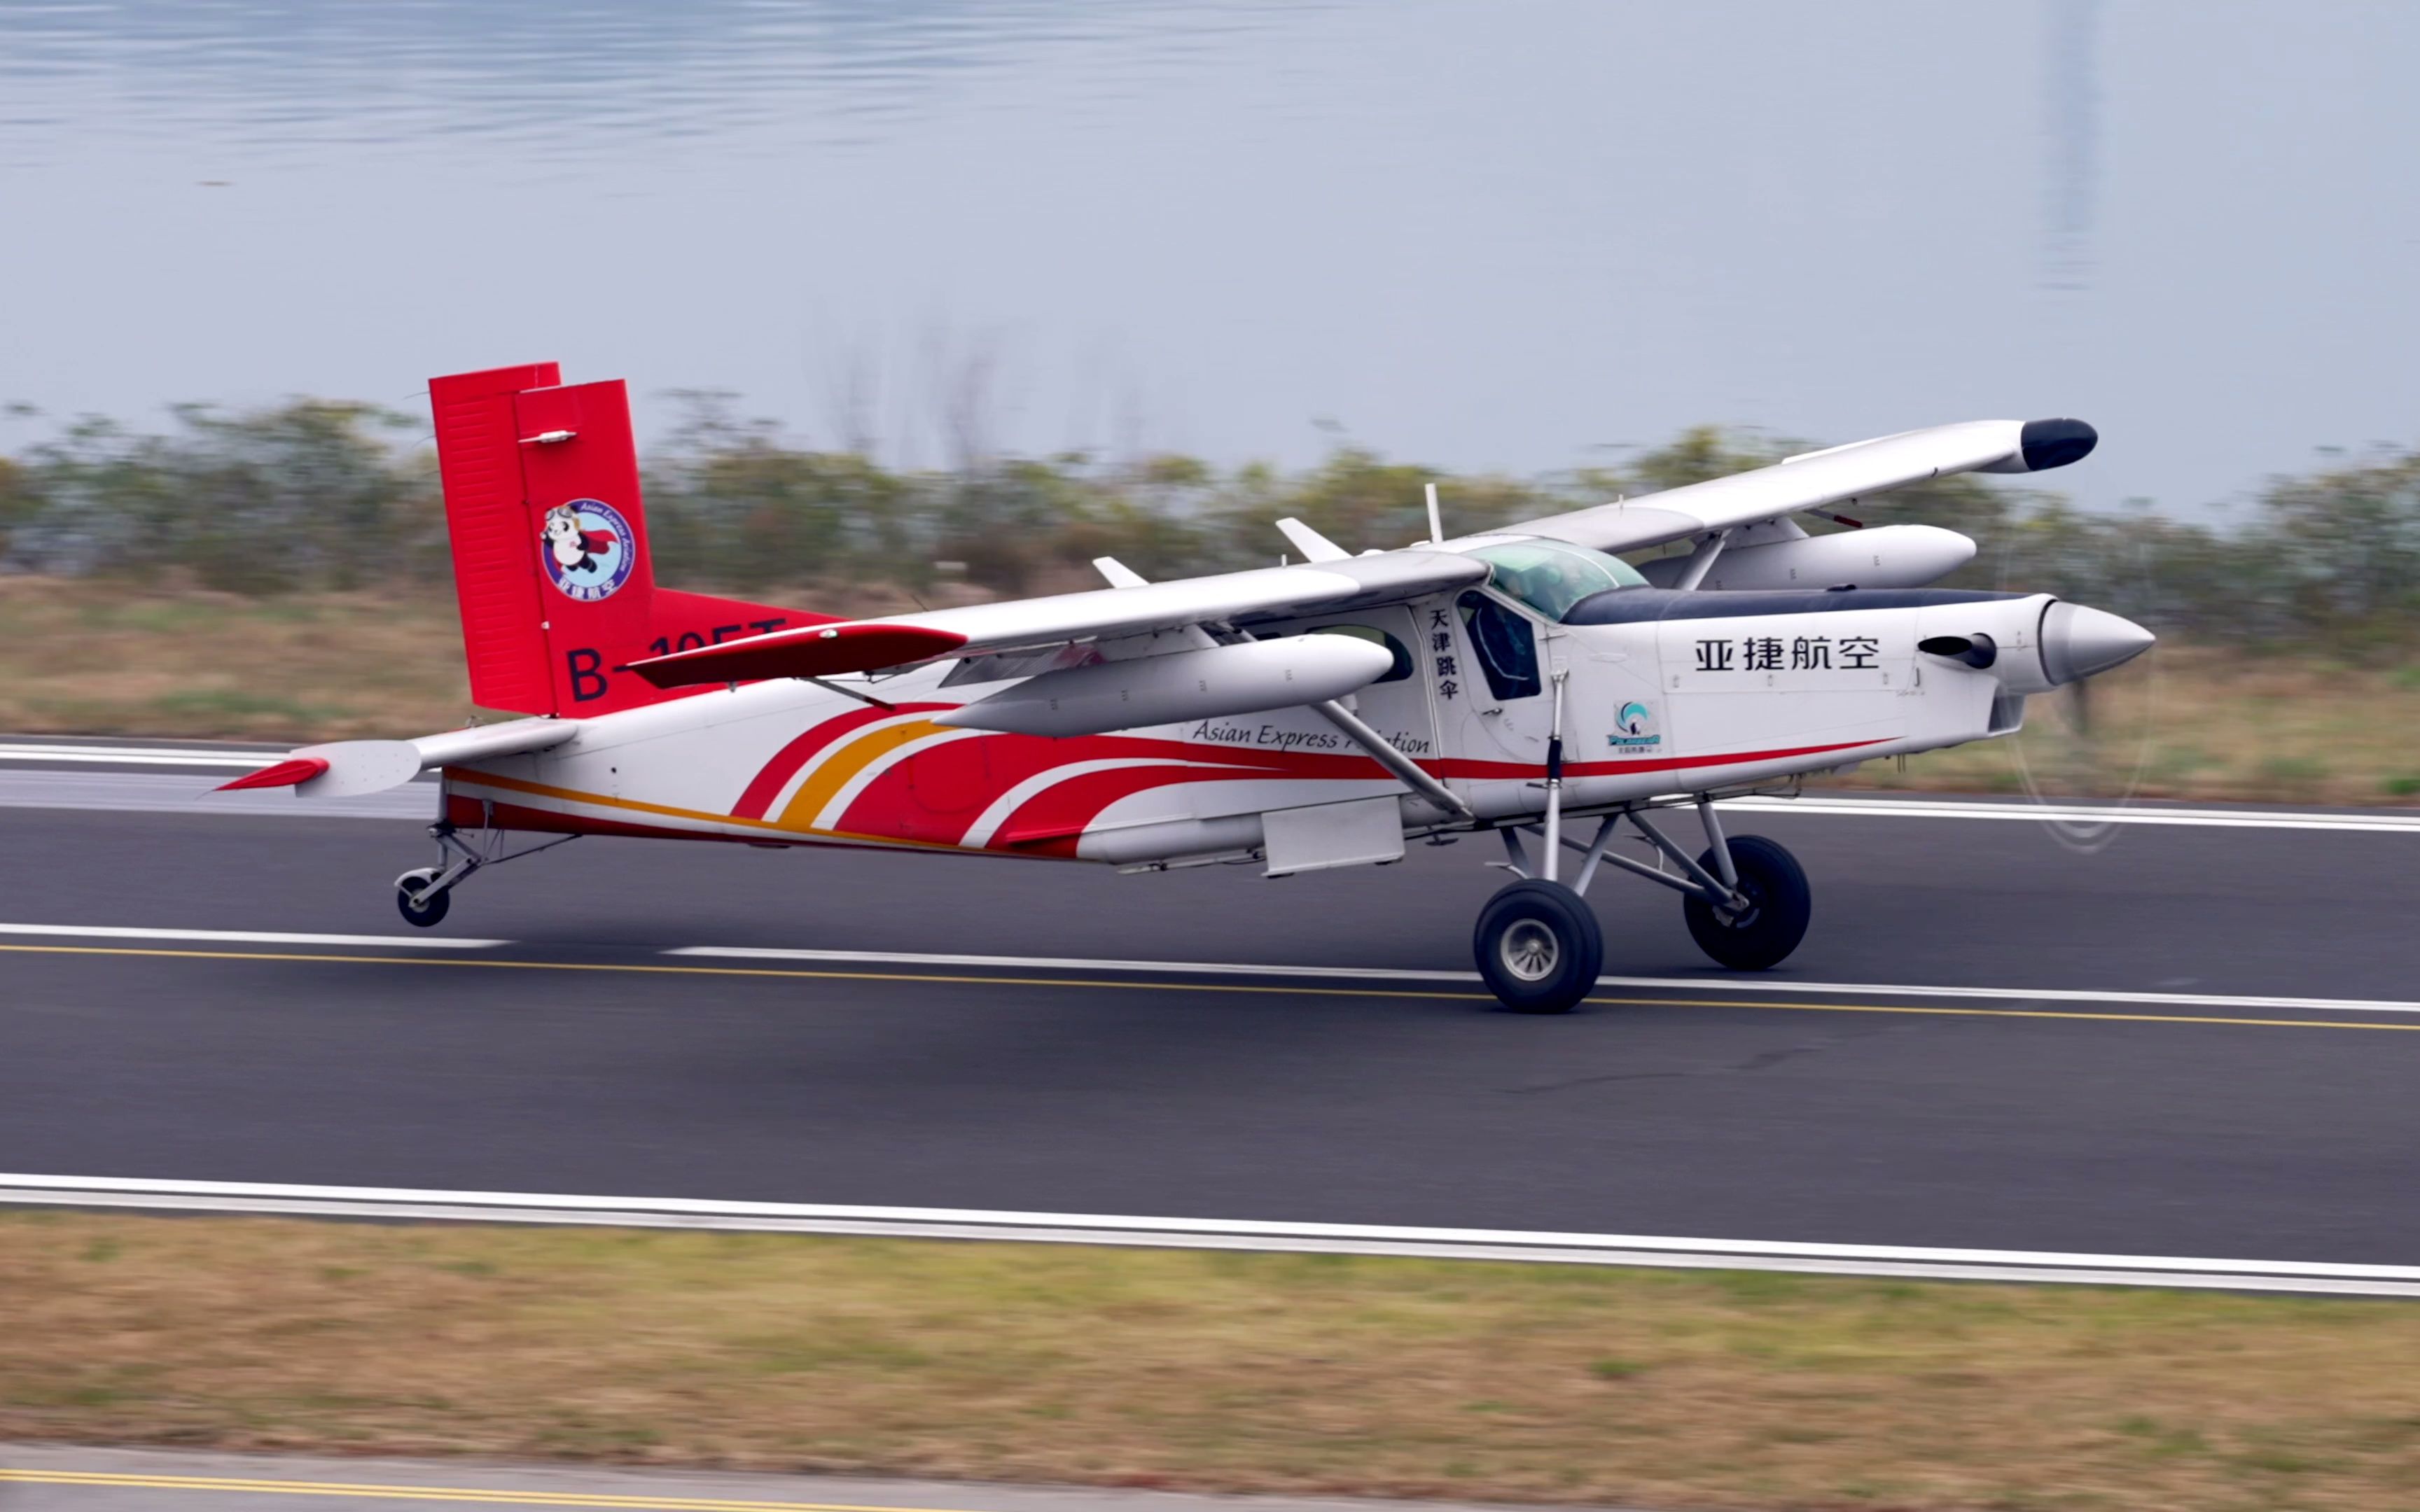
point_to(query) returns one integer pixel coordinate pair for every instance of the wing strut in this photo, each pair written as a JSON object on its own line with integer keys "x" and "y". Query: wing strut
{"x": 1392, "y": 760}
{"x": 1701, "y": 560}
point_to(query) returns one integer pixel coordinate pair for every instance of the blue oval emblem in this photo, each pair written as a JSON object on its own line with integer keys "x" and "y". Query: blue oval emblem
{"x": 587, "y": 548}
{"x": 1634, "y": 728}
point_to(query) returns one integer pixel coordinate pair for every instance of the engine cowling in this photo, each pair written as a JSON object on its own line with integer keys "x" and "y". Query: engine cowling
{"x": 1207, "y": 684}
{"x": 1884, "y": 556}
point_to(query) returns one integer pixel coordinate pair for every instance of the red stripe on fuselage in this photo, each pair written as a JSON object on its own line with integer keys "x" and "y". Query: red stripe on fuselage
{"x": 1063, "y": 811}
{"x": 940, "y": 792}
{"x": 768, "y": 785}
{"x": 1053, "y": 821}
{"x": 936, "y": 794}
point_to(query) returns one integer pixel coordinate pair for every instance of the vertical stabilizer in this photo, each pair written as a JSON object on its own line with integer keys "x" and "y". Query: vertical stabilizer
{"x": 549, "y": 535}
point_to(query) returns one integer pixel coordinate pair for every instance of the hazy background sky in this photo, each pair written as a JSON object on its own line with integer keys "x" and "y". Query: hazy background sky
{"x": 1485, "y": 233}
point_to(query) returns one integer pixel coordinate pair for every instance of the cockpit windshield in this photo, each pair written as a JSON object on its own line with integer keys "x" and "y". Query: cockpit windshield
{"x": 1550, "y": 576}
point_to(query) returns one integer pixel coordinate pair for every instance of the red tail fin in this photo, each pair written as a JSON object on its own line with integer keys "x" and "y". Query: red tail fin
{"x": 549, "y": 539}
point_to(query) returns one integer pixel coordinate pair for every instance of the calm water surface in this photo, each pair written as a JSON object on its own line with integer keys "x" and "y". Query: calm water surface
{"x": 1501, "y": 234}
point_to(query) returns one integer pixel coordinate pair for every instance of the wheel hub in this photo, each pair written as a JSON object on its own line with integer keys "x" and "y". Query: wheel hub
{"x": 1530, "y": 951}
{"x": 1740, "y": 914}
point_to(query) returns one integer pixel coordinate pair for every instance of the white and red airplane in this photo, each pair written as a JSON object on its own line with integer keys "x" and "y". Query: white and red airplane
{"x": 1297, "y": 718}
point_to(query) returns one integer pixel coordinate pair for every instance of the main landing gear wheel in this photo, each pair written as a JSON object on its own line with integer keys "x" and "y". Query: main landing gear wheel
{"x": 1780, "y": 902}
{"x": 1539, "y": 947}
{"x": 420, "y": 908}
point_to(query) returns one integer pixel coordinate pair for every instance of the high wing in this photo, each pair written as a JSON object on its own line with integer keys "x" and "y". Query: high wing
{"x": 1820, "y": 480}
{"x": 1019, "y": 624}
{"x": 1816, "y": 480}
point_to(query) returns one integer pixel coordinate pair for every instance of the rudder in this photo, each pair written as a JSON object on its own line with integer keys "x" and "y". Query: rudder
{"x": 478, "y": 465}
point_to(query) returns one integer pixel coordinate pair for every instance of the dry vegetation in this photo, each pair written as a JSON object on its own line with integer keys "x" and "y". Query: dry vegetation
{"x": 2207, "y": 724}
{"x": 102, "y": 658}
{"x": 82, "y": 658}
{"x": 1210, "y": 1371}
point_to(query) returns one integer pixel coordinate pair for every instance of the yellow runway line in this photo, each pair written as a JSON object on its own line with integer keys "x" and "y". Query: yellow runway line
{"x": 425, "y": 1493}
{"x": 635, "y": 969}
{"x": 1102, "y": 984}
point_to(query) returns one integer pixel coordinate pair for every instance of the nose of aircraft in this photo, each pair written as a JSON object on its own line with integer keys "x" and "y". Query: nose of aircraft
{"x": 2077, "y": 643}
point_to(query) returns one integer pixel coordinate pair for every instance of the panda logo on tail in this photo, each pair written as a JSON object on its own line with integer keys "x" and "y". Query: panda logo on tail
{"x": 588, "y": 549}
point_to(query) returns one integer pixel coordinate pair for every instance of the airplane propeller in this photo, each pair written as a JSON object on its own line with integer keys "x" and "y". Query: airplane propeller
{"x": 2091, "y": 741}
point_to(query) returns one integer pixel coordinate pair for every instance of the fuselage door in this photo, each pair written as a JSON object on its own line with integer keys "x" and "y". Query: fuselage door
{"x": 1491, "y": 686}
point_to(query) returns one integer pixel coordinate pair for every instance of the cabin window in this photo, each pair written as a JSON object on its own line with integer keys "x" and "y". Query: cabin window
{"x": 1505, "y": 643}
{"x": 1550, "y": 576}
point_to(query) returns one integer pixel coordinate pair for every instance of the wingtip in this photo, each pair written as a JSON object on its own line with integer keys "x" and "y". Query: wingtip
{"x": 285, "y": 774}
{"x": 2055, "y": 443}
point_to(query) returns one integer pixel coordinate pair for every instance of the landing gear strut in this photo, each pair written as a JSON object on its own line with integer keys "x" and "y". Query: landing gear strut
{"x": 1762, "y": 930}
{"x": 422, "y": 906}
{"x": 424, "y": 894}
{"x": 1539, "y": 948}
{"x": 1538, "y": 944}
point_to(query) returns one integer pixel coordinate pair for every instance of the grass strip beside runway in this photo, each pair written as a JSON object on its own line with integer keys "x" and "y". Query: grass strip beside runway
{"x": 1199, "y": 1370}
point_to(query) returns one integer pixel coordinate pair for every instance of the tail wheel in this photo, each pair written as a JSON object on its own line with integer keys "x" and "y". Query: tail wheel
{"x": 1539, "y": 947}
{"x": 1780, "y": 902}
{"x": 420, "y": 908}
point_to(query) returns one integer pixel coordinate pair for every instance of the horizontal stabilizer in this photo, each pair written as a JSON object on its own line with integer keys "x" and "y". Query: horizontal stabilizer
{"x": 345, "y": 768}
{"x": 815, "y": 651}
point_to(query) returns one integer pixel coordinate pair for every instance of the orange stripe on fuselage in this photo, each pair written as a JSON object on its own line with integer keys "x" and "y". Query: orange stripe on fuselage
{"x": 767, "y": 785}
{"x": 855, "y": 755}
{"x": 456, "y": 777}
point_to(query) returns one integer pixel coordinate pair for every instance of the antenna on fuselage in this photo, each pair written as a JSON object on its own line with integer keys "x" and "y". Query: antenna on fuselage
{"x": 1437, "y": 524}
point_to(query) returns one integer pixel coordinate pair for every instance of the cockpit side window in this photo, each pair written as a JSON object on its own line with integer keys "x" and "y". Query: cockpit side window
{"x": 1505, "y": 643}
{"x": 1552, "y": 575}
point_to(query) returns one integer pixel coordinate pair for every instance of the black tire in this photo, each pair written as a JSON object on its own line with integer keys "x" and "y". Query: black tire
{"x": 1539, "y": 947}
{"x": 417, "y": 911}
{"x": 1780, "y": 903}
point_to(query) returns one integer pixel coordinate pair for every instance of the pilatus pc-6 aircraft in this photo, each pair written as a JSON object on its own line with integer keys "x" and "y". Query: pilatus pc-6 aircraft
{"x": 1299, "y": 718}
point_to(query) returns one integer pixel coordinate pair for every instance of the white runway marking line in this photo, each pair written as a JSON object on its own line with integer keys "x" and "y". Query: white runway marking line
{"x": 1234, "y": 968}
{"x": 2384, "y": 822}
{"x": 1213, "y": 1233}
{"x": 1693, "y": 984}
{"x": 138, "y": 755}
{"x": 235, "y": 936}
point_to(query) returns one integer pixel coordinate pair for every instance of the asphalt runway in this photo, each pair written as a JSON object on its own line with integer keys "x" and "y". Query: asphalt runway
{"x": 577, "y": 1056}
